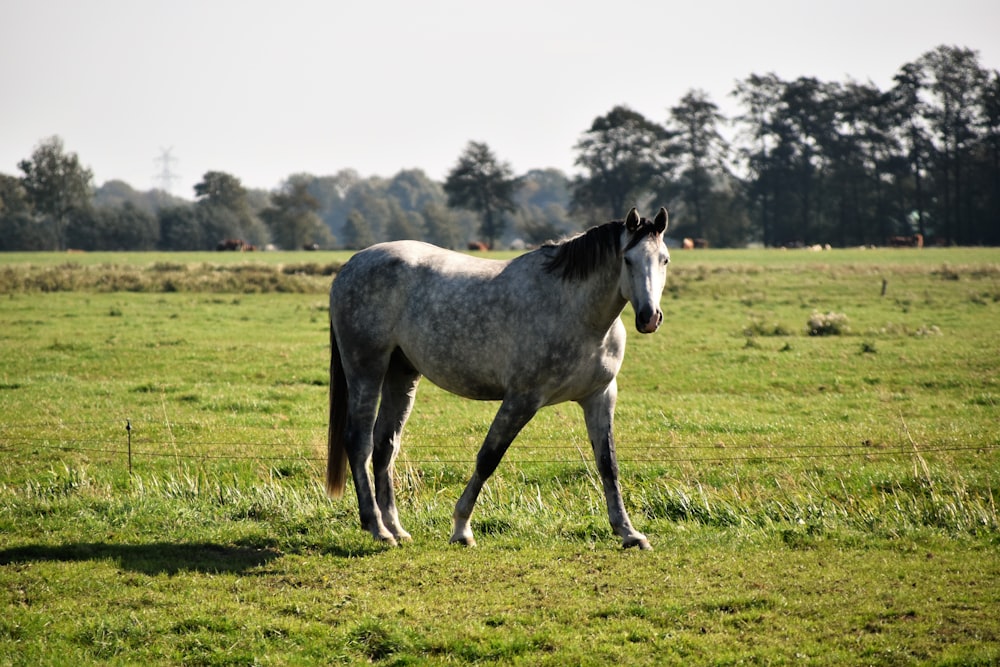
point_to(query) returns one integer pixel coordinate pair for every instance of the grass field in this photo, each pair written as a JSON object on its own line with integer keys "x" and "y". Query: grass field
{"x": 811, "y": 499}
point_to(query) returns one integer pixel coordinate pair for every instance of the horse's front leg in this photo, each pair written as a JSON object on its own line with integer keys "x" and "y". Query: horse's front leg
{"x": 514, "y": 413}
{"x": 598, "y": 411}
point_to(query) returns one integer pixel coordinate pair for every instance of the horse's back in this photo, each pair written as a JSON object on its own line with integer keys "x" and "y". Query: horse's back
{"x": 416, "y": 298}
{"x": 395, "y": 270}
{"x": 476, "y": 327}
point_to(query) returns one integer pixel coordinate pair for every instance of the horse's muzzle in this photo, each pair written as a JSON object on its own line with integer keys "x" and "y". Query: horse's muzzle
{"x": 648, "y": 320}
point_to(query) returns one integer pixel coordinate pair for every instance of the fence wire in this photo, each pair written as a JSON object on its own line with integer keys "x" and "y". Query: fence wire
{"x": 154, "y": 440}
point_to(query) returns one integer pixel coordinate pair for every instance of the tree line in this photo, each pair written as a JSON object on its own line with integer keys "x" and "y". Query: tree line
{"x": 803, "y": 162}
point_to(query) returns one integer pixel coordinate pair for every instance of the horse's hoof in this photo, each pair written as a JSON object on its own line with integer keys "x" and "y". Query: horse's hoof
{"x": 387, "y": 540}
{"x": 640, "y": 542}
{"x": 465, "y": 541}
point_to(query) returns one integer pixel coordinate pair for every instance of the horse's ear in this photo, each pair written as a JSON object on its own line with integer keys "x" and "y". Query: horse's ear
{"x": 632, "y": 220}
{"x": 660, "y": 223}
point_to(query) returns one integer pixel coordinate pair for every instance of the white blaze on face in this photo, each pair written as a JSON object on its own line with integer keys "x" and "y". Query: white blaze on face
{"x": 644, "y": 275}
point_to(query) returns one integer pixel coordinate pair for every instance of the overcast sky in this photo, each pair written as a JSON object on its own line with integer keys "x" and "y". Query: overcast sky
{"x": 263, "y": 89}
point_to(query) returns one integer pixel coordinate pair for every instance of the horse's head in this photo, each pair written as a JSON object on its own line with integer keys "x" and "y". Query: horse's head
{"x": 644, "y": 268}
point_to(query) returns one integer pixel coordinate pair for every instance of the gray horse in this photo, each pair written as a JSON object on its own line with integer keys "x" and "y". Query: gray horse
{"x": 533, "y": 331}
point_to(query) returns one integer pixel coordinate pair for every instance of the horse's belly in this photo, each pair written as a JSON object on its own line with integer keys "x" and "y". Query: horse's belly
{"x": 468, "y": 388}
{"x": 466, "y": 378}
{"x": 458, "y": 351}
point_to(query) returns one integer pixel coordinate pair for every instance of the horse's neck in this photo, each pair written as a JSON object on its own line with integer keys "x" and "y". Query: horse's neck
{"x": 601, "y": 296}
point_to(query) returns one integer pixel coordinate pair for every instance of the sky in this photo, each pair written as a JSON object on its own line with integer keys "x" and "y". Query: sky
{"x": 266, "y": 89}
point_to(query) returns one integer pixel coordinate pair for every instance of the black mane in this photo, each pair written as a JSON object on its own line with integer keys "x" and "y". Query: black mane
{"x": 577, "y": 257}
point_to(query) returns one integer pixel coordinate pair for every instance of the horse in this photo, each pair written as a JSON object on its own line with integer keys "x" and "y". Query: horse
{"x": 540, "y": 329}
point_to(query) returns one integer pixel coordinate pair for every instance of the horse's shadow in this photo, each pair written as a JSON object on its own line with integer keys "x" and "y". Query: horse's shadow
{"x": 152, "y": 558}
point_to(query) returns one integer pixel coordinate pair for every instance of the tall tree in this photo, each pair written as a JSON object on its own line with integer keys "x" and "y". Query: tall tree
{"x": 865, "y": 165}
{"x": 806, "y": 119}
{"x": 701, "y": 151}
{"x": 57, "y": 185}
{"x": 792, "y": 124}
{"x": 762, "y": 155}
{"x": 623, "y": 157}
{"x": 909, "y": 111}
{"x": 482, "y": 183}
{"x": 990, "y": 160}
{"x": 954, "y": 81}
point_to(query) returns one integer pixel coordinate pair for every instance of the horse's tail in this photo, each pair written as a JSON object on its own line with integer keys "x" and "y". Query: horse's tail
{"x": 336, "y": 452}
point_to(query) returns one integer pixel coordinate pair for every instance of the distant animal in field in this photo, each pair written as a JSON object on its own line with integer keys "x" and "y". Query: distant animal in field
{"x": 533, "y": 331}
{"x": 913, "y": 241}
{"x": 235, "y": 244}
{"x": 691, "y": 244}
{"x": 478, "y": 246}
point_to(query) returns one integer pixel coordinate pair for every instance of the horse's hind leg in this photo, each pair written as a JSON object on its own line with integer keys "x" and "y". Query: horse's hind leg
{"x": 398, "y": 391}
{"x": 363, "y": 401}
{"x": 514, "y": 413}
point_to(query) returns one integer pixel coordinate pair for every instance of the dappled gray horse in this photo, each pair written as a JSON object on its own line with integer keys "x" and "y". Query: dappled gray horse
{"x": 539, "y": 329}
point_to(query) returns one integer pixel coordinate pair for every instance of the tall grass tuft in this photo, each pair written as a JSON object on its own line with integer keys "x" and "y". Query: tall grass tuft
{"x": 829, "y": 324}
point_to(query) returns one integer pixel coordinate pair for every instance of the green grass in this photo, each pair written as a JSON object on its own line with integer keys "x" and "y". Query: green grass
{"x": 811, "y": 499}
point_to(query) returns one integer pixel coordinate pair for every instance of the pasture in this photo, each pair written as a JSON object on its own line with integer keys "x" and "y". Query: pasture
{"x": 811, "y": 499}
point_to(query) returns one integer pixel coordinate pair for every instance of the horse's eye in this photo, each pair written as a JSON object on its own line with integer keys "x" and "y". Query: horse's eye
{"x": 664, "y": 261}
{"x": 628, "y": 262}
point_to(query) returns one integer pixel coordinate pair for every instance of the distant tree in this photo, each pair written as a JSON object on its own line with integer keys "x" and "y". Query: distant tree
{"x": 57, "y": 185}
{"x": 440, "y": 225}
{"x": 181, "y": 229}
{"x": 622, "y": 155}
{"x": 116, "y": 192}
{"x": 125, "y": 227}
{"x": 806, "y": 127}
{"x": 543, "y": 198}
{"x": 791, "y": 124}
{"x": 954, "y": 81}
{"x": 331, "y": 192}
{"x": 541, "y": 187}
{"x": 292, "y": 219}
{"x": 368, "y": 200}
{"x": 702, "y": 152}
{"x": 414, "y": 190}
{"x": 221, "y": 189}
{"x": 414, "y": 193}
{"x": 13, "y": 196}
{"x": 19, "y": 227}
{"x": 21, "y": 231}
{"x": 480, "y": 182}
{"x": 403, "y": 225}
{"x": 866, "y": 166}
{"x": 908, "y": 111}
{"x": 225, "y": 210}
{"x": 990, "y": 160}
{"x": 356, "y": 234}
{"x": 765, "y": 188}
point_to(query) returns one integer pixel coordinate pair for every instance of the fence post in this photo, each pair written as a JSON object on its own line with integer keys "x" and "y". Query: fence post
{"x": 128, "y": 430}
